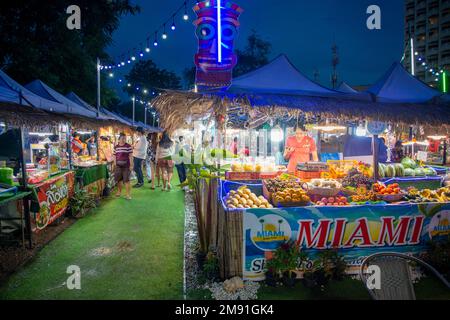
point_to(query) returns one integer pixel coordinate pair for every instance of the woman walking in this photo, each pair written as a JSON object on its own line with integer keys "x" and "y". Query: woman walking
{"x": 152, "y": 170}
{"x": 164, "y": 152}
{"x": 123, "y": 155}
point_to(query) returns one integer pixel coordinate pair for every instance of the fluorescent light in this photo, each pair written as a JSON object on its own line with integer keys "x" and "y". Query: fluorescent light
{"x": 421, "y": 143}
{"x": 329, "y": 128}
{"x": 361, "y": 131}
{"x": 84, "y": 132}
{"x": 437, "y": 137}
{"x": 40, "y": 134}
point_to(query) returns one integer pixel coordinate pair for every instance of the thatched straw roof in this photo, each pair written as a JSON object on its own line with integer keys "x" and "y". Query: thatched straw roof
{"x": 175, "y": 106}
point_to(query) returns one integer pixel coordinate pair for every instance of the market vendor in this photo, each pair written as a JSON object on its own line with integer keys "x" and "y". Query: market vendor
{"x": 299, "y": 148}
{"x": 77, "y": 145}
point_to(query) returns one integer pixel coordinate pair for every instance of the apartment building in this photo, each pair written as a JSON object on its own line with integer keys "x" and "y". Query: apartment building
{"x": 428, "y": 22}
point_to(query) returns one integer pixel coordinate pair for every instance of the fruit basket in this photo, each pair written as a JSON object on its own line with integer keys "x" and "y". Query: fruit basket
{"x": 391, "y": 197}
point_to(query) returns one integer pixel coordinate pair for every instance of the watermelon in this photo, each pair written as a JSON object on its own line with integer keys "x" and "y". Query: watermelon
{"x": 381, "y": 170}
{"x": 409, "y": 172}
{"x": 399, "y": 170}
{"x": 390, "y": 171}
{"x": 419, "y": 172}
{"x": 430, "y": 172}
{"x": 409, "y": 163}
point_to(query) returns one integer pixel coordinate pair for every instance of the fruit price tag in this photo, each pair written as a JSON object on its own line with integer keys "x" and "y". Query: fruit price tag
{"x": 422, "y": 156}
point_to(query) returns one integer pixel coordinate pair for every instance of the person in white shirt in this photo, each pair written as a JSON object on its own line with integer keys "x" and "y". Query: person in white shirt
{"x": 164, "y": 152}
{"x": 139, "y": 155}
{"x": 181, "y": 150}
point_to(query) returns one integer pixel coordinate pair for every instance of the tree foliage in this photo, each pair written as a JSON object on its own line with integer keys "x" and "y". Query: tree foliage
{"x": 145, "y": 74}
{"x": 36, "y": 44}
{"x": 254, "y": 55}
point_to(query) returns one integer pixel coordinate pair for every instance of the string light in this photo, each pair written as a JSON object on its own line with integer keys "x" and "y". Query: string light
{"x": 155, "y": 43}
{"x": 164, "y": 35}
{"x": 173, "y": 23}
{"x": 185, "y": 15}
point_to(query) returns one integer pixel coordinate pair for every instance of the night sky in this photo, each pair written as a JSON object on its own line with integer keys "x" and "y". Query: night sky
{"x": 302, "y": 29}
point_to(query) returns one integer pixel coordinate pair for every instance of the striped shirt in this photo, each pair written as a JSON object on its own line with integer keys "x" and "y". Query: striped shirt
{"x": 122, "y": 153}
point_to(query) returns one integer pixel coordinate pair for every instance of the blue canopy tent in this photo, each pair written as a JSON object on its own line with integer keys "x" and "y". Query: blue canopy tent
{"x": 102, "y": 115}
{"x": 43, "y": 90}
{"x": 29, "y": 98}
{"x": 279, "y": 76}
{"x": 345, "y": 88}
{"x": 399, "y": 86}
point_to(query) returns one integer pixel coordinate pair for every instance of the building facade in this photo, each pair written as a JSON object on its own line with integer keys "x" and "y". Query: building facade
{"x": 428, "y": 22}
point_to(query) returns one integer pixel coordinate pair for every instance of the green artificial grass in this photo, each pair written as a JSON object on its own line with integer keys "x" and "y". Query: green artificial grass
{"x": 125, "y": 250}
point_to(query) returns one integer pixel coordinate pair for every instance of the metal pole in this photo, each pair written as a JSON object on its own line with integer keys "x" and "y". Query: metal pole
{"x": 413, "y": 65}
{"x": 134, "y": 108}
{"x": 375, "y": 156}
{"x": 98, "y": 87}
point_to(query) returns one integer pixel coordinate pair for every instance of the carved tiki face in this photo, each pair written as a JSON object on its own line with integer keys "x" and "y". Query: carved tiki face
{"x": 212, "y": 73}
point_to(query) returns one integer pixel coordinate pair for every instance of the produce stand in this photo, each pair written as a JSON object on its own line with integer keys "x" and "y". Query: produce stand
{"x": 93, "y": 178}
{"x": 247, "y": 237}
{"x": 50, "y": 199}
{"x": 416, "y": 182}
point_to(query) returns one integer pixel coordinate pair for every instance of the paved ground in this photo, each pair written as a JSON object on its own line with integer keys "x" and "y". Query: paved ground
{"x": 125, "y": 250}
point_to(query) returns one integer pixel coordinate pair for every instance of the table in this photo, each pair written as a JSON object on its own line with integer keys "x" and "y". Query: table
{"x": 20, "y": 195}
{"x": 50, "y": 199}
{"x": 93, "y": 178}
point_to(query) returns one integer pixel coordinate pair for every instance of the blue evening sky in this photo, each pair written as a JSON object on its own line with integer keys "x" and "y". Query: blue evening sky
{"x": 302, "y": 29}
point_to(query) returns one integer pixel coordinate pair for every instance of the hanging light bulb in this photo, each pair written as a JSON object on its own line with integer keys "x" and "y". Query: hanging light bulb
{"x": 122, "y": 63}
{"x": 155, "y": 43}
{"x": 185, "y": 15}
{"x": 164, "y": 35}
{"x": 111, "y": 74}
{"x": 133, "y": 58}
{"x": 173, "y": 27}
{"x": 147, "y": 49}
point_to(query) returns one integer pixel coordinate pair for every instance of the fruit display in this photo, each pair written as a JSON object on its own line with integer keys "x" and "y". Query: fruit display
{"x": 244, "y": 198}
{"x": 391, "y": 189}
{"x": 333, "y": 201}
{"x": 427, "y": 195}
{"x": 338, "y": 169}
{"x": 356, "y": 179}
{"x": 282, "y": 183}
{"x": 291, "y": 197}
{"x": 324, "y": 183}
{"x": 408, "y": 163}
{"x": 367, "y": 196}
{"x": 409, "y": 169}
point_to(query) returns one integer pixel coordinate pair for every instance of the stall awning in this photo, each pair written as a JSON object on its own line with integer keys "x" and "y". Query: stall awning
{"x": 75, "y": 98}
{"x": 345, "y": 88}
{"x": 399, "y": 86}
{"x": 278, "y": 77}
{"x": 30, "y": 98}
{"x": 43, "y": 90}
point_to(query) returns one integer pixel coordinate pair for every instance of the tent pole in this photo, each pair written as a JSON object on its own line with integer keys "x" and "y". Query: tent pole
{"x": 98, "y": 87}
{"x": 375, "y": 156}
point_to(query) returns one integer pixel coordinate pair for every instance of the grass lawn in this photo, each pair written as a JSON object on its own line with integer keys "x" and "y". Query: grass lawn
{"x": 125, "y": 250}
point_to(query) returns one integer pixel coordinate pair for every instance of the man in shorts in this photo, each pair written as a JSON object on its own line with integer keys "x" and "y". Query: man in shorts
{"x": 123, "y": 155}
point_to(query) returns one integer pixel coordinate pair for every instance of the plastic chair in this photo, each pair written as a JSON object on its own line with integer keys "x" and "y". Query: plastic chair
{"x": 395, "y": 277}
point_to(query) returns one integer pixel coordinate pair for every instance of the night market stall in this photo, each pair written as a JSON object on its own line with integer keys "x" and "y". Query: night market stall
{"x": 359, "y": 205}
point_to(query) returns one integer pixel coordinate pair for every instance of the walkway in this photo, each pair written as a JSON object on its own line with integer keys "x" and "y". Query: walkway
{"x": 125, "y": 250}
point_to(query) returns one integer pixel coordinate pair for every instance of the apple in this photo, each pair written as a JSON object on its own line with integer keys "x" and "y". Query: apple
{"x": 330, "y": 200}
{"x": 324, "y": 200}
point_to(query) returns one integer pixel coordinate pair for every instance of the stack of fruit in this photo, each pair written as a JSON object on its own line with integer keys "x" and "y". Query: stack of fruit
{"x": 427, "y": 195}
{"x": 244, "y": 198}
{"x": 279, "y": 184}
{"x": 391, "y": 189}
{"x": 291, "y": 197}
{"x": 360, "y": 197}
{"x": 333, "y": 201}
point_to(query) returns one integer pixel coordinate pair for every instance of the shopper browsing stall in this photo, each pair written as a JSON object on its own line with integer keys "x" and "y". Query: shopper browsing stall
{"x": 181, "y": 150}
{"x": 123, "y": 153}
{"x": 139, "y": 154}
{"x": 164, "y": 153}
{"x": 300, "y": 148}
